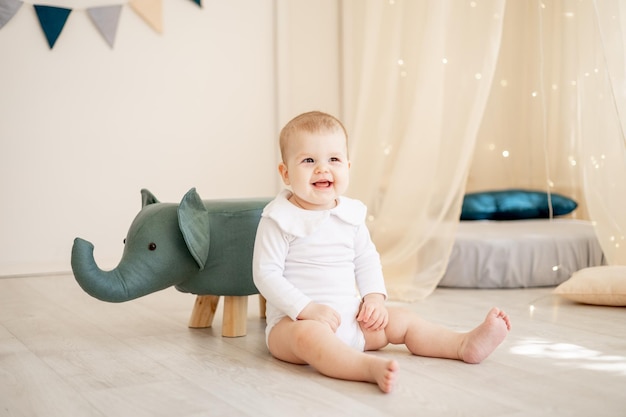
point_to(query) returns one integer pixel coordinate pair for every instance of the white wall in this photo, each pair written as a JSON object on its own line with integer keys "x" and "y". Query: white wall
{"x": 308, "y": 57}
{"x": 84, "y": 127}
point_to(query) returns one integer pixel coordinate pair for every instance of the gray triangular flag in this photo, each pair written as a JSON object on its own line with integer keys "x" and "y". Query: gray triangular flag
{"x": 8, "y": 8}
{"x": 106, "y": 19}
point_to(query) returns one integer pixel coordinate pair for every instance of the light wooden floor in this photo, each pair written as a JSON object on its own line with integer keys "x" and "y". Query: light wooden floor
{"x": 63, "y": 353}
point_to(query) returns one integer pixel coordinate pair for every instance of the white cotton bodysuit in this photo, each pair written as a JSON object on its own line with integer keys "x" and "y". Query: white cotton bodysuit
{"x": 324, "y": 256}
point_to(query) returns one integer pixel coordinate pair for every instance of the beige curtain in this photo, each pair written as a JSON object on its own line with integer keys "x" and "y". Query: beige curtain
{"x": 528, "y": 137}
{"x": 445, "y": 96}
{"x": 602, "y": 75}
{"x": 557, "y": 111}
{"x": 417, "y": 75}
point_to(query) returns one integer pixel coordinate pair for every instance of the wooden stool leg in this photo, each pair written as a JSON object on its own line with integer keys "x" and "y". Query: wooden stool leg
{"x": 262, "y": 303}
{"x": 203, "y": 311}
{"x": 234, "y": 323}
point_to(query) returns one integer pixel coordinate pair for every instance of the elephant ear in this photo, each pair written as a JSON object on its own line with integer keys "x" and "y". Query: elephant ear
{"x": 193, "y": 220}
{"x": 147, "y": 198}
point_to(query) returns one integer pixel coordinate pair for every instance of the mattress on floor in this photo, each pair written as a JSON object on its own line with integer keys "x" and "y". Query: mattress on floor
{"x": 520, "y": 253}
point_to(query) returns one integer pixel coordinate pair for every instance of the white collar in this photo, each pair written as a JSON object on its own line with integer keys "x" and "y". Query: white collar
{"x": 300, "y": 222}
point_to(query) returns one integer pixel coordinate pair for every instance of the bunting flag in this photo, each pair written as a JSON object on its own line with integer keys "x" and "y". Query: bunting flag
{"x": 106, "y": 19}
{"x": 8, "y": 8}
{"x": 151, "y": 11}
{"x": 52, "y": 20}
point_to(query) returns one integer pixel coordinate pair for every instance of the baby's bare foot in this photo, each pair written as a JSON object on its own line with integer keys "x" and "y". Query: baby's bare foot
{"x": 480, "y": 342}
{"x": 384, "y": 373}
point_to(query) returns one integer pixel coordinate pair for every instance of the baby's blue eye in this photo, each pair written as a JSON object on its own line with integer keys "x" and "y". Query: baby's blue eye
{"x": 308, "y": 160}
{"x": 335, "y": 160}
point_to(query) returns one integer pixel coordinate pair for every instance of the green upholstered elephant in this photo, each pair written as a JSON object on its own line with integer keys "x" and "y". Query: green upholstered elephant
{"x": 200, "y": 247}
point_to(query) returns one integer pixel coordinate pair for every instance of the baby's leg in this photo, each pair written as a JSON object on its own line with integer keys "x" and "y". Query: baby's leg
{"x": 486, "y": 337}
{"x": 314, "y": 343}
{"x": 427, "y": 339}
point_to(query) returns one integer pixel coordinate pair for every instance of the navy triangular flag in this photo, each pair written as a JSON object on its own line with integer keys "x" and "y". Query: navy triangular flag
{"x": 198, "y": 2}
{"x": 8, "y": 8}
{"x": 52, "y": 20}
{"x": 106, "y": 19}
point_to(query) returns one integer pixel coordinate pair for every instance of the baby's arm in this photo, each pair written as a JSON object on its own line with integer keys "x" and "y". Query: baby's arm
{"x": 270, "y": 251}
{"x": 373, "y": 314}
{"x": 369, "y": 278}
{"x": 321, "y": 312}
{"x": 268, "y": 264}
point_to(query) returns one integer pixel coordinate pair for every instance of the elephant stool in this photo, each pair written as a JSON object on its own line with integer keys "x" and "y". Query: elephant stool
{"x": 200, "y": 247}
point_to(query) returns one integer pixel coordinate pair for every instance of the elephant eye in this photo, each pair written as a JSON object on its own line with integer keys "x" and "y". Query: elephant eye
{"x": 152, "y": 246}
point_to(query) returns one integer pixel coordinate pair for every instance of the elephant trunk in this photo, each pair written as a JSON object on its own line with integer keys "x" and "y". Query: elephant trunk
{"x": 103, "y": 285}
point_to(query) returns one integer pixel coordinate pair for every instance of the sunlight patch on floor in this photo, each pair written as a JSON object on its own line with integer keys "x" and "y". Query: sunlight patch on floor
{"x": 568, "y": 354}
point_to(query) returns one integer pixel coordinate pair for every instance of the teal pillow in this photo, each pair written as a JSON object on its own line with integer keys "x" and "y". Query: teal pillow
{"x": 514, "y": 205}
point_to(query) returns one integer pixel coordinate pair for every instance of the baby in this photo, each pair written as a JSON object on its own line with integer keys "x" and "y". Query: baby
{"x": 316, "y": 266}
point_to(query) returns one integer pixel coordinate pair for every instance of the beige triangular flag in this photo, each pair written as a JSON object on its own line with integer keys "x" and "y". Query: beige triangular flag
{"x": 151, "y": 11}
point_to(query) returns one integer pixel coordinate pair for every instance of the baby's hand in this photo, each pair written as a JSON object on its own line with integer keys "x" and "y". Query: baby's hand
{"x": 321, "y": 312}
{"x": 373, "y": 314}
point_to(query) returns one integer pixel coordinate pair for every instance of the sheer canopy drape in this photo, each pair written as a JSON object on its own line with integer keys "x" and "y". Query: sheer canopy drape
{"x": 417, "y": 78}
{"x": 603, "y": 122}
{"x": 443, "y": 97}
{"x": 529, "y": 134}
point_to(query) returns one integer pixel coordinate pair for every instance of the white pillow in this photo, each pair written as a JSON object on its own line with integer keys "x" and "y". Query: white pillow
{"x": 599, "y": 285}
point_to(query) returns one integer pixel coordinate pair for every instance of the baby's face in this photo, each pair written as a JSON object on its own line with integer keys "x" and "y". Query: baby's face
{"x": 316, "y": 168}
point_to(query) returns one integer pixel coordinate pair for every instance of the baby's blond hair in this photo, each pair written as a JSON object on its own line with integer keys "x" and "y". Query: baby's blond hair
{"x": 312, "y": 122}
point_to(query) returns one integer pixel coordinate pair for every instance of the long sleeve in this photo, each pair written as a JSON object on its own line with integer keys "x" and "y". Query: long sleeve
{"x": 270, "y": 251}
{"x": 367, "y": 266}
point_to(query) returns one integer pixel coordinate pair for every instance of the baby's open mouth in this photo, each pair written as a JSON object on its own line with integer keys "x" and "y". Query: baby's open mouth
{"x": 322, "y": 184}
